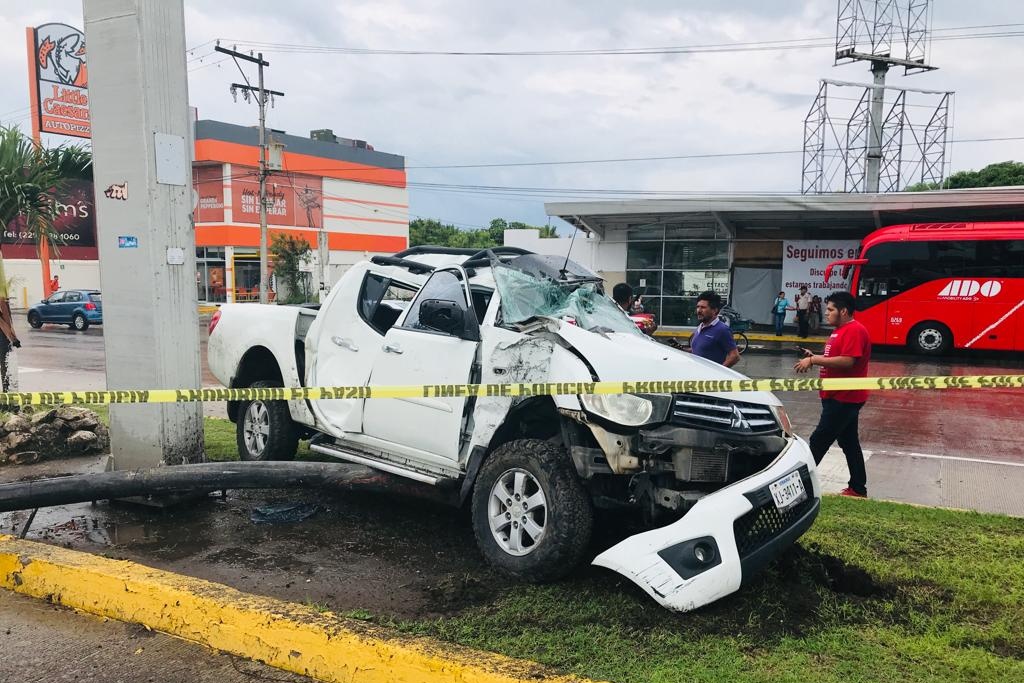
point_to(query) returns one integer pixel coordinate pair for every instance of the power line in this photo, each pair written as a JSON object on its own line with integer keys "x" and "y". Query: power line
{"x": 574, "y": 162}
{"x": 752, "y": 46}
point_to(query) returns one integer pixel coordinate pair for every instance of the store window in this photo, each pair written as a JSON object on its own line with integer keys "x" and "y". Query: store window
{"x": 210, "y": 270}
{"x": 669, "y": 274}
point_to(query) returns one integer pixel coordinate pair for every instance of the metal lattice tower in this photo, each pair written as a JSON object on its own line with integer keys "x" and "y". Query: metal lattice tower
{"x": 877, "y": 147}
{"x": 914, "y": 137}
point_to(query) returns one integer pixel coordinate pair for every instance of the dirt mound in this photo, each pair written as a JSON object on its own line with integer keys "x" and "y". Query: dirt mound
{"x": 801, "y": 562}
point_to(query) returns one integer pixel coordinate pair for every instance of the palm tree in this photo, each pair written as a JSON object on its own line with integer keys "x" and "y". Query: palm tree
{"x": 30, "y": 175}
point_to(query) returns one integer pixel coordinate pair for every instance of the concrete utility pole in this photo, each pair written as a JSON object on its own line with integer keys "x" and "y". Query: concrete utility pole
{"x": 873, "y": 165}
{"x": 263, "y": 96}
{"x": 138, "y": 96}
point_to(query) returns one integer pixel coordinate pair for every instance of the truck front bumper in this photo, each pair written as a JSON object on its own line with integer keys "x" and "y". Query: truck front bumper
{"x": 723, "y": 540}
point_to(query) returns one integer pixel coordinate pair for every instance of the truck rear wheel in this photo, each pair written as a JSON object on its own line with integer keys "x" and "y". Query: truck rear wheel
{"x": 531, "y": 515}
{"x": 264, "y": 429}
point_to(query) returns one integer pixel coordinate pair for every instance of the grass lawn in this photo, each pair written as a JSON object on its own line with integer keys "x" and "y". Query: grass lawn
{"x": 220, "y": 437}
{"x": 873, "y": 592}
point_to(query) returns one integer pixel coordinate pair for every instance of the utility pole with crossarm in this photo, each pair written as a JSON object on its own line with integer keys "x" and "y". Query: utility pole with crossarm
{"x": 263, "y": 97}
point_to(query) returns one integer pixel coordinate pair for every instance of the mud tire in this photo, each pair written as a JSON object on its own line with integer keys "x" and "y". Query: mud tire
{"x": 282, "y": 438}
{"x": 568, "y": 515}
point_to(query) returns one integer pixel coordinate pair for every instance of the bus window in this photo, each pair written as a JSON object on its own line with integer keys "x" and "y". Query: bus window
{"x": 892, "y": 267}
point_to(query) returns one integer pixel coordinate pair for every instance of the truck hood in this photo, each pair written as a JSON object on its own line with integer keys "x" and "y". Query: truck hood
{"x": 618, "y": 357}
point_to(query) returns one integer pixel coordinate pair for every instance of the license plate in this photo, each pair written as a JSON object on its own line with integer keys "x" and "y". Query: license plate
{"x": 788, "y": 491}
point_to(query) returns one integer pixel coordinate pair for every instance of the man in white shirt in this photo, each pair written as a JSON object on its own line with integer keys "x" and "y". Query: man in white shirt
{"x": 803, "y": 310}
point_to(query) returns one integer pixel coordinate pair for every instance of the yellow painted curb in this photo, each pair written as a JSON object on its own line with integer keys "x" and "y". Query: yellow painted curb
{"x": 208, "y": 309}
{"x": 284, "y": 635}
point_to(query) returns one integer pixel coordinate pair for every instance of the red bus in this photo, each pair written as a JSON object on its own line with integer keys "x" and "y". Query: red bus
{"x": 937, "y": 286}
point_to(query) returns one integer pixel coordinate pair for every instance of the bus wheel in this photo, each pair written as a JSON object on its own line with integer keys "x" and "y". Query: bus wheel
{"x": 930, "y": 338}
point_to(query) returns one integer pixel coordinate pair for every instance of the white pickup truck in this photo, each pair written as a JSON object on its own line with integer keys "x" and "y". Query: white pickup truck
{"x": 720, "y": 478}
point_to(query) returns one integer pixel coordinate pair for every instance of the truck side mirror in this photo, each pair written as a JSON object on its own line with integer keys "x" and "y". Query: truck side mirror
{"x": 443, "y": 316}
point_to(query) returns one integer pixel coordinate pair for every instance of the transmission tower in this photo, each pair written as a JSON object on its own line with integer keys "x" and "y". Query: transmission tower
{"x": 870, "y": 147}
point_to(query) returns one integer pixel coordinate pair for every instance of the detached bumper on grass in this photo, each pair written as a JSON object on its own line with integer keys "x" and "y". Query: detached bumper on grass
{"x": 727, "y": 537}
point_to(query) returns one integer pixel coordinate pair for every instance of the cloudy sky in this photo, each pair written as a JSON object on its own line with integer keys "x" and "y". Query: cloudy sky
{"x": 467, "y": 110}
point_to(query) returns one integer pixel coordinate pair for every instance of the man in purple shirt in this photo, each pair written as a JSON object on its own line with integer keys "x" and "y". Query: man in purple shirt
{"x": 713, "y": 338}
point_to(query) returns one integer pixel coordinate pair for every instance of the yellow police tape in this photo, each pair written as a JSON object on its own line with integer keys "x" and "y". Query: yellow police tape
{"x": 522, "y": 389}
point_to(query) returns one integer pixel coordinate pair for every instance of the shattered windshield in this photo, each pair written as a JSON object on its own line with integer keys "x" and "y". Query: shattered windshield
{"x": 534, "y": 285}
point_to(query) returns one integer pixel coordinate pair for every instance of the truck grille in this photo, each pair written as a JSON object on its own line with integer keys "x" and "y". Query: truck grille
{"x": 764, "y": 523}
{"x": 719, "y": 414}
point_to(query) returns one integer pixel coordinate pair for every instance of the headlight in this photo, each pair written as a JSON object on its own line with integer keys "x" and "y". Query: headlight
{"x": 628, "y": 410}
{"x": 783, "y": 419}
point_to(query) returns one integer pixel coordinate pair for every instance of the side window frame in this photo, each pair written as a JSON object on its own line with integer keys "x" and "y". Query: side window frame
{"x": 472, "y": 331}
{"x": 387, "y": 283}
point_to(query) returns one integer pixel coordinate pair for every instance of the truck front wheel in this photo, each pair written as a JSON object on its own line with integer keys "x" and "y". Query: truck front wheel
{"x": 264, "y": 429}
{"x": 531, "y": 515}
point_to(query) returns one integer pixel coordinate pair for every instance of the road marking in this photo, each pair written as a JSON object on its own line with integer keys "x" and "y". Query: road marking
{"x": 981, "y": 461}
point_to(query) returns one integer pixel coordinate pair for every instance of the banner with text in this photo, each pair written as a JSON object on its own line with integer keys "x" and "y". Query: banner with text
{"x": 804, "y": 262}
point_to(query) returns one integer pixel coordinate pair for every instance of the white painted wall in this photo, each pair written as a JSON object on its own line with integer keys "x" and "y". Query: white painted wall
{"x": 365, "y": 208}
{"x": 28, "y": 287}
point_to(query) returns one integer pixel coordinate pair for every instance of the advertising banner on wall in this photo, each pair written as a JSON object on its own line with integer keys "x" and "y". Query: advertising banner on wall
{"x": 804, "y": 262}
{"x": 294, "y": 201}
{"x": 208, "y": 183}
{"x": 58, "y": 80}
{"x": 74, "y": 228}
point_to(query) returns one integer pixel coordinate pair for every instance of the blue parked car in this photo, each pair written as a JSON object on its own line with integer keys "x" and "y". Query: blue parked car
{"x": 78, "y": 308}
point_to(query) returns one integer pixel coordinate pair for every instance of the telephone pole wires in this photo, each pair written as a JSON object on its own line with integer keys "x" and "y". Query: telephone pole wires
{"x": 263, "y": 97}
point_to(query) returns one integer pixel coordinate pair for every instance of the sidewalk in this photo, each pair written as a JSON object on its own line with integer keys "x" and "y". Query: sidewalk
{"x": 934, "y": 480}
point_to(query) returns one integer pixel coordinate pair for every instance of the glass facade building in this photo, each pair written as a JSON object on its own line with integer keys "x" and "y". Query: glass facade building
{"x": 668, "y": 269}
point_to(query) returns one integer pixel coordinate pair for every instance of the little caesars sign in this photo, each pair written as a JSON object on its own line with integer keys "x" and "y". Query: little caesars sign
{"x": 58, "y": 80}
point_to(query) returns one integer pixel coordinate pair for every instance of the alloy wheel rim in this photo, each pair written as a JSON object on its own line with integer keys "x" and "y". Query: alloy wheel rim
{"x": 517, "y": 512}
{"x": 256, "y": 428}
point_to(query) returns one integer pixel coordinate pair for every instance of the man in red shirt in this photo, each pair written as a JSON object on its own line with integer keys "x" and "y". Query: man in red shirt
{"x": 847, "y": 353}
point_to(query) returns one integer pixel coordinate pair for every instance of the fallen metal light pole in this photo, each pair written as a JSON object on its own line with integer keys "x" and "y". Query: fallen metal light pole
{"x": 207, "y": 477}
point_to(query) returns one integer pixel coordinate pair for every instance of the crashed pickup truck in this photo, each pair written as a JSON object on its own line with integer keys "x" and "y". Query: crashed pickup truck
{"x": 720, "y": 479}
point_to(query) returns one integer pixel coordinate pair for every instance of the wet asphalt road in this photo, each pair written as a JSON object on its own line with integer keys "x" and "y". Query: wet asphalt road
{"x": 963, "y": 423}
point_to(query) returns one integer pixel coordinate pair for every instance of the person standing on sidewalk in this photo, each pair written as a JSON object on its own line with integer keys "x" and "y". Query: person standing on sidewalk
{"x": 815, "y": 314}
{"x": 803, "y": 310}
{"x": 847, "y": 354}
{"x": 779, "y": 309}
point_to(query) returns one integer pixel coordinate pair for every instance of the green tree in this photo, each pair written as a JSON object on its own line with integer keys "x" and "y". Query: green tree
{"x": 289, "y": 253}
{"x": 433, "y": 232}
{"x": 1002, "y": 174}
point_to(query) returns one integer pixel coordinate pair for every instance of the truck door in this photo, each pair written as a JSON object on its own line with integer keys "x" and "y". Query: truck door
{"x": 436, "y": 343}
{"x": 348, "y": 340}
